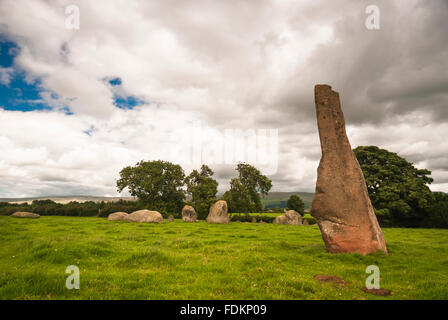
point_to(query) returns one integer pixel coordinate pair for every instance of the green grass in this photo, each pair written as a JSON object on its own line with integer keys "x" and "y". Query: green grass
{"x": 120, "y": 260}
{"x": 269, "y": 214}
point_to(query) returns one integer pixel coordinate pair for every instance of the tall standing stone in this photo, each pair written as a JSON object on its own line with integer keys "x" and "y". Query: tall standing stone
{"x": 341, "y": 204}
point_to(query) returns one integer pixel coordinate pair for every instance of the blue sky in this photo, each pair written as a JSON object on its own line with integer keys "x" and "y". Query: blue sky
{"x": 18, "y": 94}
{"x": 22, "y": 94}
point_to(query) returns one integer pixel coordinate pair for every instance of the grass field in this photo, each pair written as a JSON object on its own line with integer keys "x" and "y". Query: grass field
{"x": 269, "y": 214}
{"x": 120, "y": 260}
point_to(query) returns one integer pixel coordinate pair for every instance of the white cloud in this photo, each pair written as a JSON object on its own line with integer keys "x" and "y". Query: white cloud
{"x": 246, "y": 65}
{"x": 6, "y": 75}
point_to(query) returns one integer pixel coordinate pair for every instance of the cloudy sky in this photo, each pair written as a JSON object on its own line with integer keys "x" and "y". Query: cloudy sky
{"x": 143, "y": 80}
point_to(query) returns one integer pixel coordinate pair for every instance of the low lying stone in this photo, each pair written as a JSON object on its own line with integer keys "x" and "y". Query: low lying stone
{"x": 170, "y": 218}
{"x": 24, "y": 214}
{"x": 328, "y": 278}
{"x": 117, "y": 216}
{"x": 144, "y": 216}
{"x": 290, "y": 217}
{"x": 280, "y": 220}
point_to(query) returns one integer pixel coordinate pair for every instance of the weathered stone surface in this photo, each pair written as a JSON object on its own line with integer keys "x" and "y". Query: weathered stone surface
{"x": 144, "y": 216}
{"x": 218, "y": 213}
{"x": 170, "y": 218}
{"x": 290, "y": 217}
{"x": 116, "y": 216}
{"x": 254, "y": 220}
{"x": 341, "y": 204}
{"x": 293, "y": 217}
{"x": 280, "y": 220}
{"x": 189, "y": 214}
{"x": 24, "y": 214}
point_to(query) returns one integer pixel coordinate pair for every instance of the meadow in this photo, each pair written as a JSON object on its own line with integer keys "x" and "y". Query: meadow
{"x": 122, "y": 260}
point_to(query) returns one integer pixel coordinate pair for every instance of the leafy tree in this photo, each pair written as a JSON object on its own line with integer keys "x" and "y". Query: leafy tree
{"x": 202, "y": 188}
{"x": 296, "y": 203}
{"x": 438, "y": 212}
{"x": 398, "y": 190}
{"x": 244, "y": 194}
{"x": 157, "y": 184}
{"x": 237, "y": 197}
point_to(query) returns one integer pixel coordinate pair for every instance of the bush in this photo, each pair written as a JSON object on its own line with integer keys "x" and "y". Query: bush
{"x": 296, "y": 203}
{"x": 248, "y": 218}
{"x": 73, "y": 208}
{"x": 310, "y": 219}
{"x": 437, "y": 214}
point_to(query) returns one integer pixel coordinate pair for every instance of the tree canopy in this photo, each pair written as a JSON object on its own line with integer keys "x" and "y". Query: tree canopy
{"x": 397, "y": 189}
{"x": 202, "y": 188}
{"x": 158, "y": 184}
{"x": 296, "y": 203}
{"x": 246, "y": 191}
{"x": 438, "y": 212}
{"x": 237, "y": 197}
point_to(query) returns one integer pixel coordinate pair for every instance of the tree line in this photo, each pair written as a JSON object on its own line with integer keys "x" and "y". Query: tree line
{"x": 163, "y": 186}
{"x": 73, "y": 208}
{"x": 399, "y": 192}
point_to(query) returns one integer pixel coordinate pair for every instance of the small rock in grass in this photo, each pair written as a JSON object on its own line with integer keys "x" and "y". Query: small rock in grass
{"x": 23, "y": 214}
{"x": 117, "y": 216}
{"x": 377, "y": 292}
{"x": 326, "y": 278}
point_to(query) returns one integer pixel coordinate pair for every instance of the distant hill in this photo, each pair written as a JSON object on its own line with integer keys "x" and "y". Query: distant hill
{"x": 278, "y": 199}
{"x": 273, "y": 199}
{"x": 65, "y": 199}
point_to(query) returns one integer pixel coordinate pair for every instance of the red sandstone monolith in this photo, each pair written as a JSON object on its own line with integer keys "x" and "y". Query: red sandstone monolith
{"x": 341, "y": 204}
